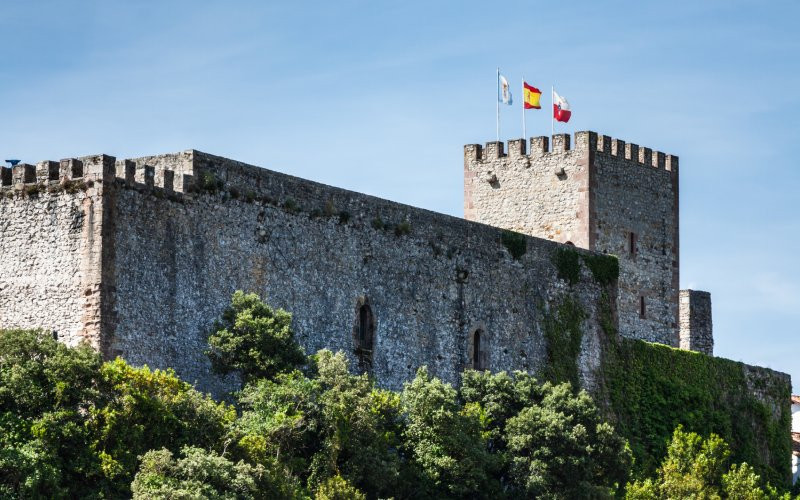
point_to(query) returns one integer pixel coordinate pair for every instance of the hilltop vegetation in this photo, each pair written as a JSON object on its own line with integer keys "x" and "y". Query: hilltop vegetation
{"x": 72, "y": 426}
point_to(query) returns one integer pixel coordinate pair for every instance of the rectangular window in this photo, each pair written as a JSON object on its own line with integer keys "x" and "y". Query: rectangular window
{"x": 642, "y": 308}
{"x": 632, "y": 243}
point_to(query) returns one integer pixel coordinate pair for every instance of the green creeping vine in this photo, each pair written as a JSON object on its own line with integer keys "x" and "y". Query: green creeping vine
{"x": 604, "y": 268}
{"x": 653, "y": 388}
{"x": 515, "y": 243}
{"x": 563, "y": 331}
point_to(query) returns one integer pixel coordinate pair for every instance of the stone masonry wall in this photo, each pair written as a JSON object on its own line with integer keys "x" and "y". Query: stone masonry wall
{"x": 430, "y": 280}
{"x": 544, "y": 194}
{"x": 593, "y": 194}
{"x": 635, "y": 191}
{"x": 52, "y": 243}
{"x": 696, "y": 327}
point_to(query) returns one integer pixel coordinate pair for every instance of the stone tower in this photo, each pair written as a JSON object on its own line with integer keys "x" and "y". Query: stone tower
{"x": 695, "y": 319}
{"x": 600, "y": 194}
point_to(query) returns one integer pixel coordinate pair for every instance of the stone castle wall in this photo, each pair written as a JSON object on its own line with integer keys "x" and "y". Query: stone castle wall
{"x": 599, "y": 194}
{"x": 430, "y": 280}
{"x": 52, "y": 243}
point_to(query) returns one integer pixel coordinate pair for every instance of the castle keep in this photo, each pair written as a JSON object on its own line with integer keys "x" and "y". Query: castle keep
{"x": 138, "y": 257}
{"x": 602, "y": 195}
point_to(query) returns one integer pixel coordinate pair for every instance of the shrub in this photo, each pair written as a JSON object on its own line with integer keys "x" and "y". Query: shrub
{"x": 254, "y": 340}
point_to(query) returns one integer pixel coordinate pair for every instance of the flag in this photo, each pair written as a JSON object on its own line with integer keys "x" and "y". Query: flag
{"x": 561, "y": 111}
{"x": 504, "y": 92}
{"x": 531, "y": 96}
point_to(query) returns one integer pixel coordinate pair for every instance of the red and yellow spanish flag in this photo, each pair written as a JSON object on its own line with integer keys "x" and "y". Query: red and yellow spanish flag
{"x": 531, "y": 96}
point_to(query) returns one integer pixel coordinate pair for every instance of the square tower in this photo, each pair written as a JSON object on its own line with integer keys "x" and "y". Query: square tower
{"x": 600, "y": 194}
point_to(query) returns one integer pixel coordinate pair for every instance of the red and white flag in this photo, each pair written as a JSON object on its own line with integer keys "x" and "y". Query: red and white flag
{"x": 561, "y": 111}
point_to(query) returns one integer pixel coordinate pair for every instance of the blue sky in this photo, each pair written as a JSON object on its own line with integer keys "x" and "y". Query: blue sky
{"x": 380, "y": 97}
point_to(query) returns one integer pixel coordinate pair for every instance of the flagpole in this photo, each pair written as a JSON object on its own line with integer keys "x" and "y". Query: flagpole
{"x": 498, "y": 104}
{"x": 524, "y": 130}
{"x": 552, "y": 111}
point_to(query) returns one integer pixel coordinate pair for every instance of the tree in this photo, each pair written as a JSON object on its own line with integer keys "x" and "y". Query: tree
{"x": 445, "y": 441}
{"x": 39, "y": 374}
{"x": 254, "y": 339}
{"x": 334, "y": 424}
{"x": 143, "y": 410}
{"x": 72, "y": 426}
{"x": 338, "y": 488}
{"x": 559, "y": 447}
{"x": 697, "y": 467}
{"x": 203, "y": 474}
{"x": 552, "y": 441}
{"x": 500, "y": 396}
{"x": 46, "y": 390}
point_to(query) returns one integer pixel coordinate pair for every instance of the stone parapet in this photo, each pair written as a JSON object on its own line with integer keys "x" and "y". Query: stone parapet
{"x": 560, "y": 143}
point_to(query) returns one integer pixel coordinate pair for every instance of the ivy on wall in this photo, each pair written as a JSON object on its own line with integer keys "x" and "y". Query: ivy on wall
{"x": 604, "y": 268}
{"x": 515, "y": 243}
{"x": 563, "y": 331}
{"x": 653, "y": 388}
{"x": 649, "y": 389}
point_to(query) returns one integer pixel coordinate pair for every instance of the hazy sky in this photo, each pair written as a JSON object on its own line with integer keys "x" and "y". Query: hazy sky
{"x": 380, "y": 97}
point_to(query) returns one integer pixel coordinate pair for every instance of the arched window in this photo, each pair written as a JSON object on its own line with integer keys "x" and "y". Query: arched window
{"x": 478, "y": 353}
{"x": 366, "y": 327}
{"x": 364, "y": 335}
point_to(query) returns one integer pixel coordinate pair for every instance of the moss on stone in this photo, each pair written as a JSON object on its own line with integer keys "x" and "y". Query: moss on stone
{"x": 604, "y": 268}
{"x": 568, "y": 264}
{"x": 515, "y": 243}
{"x": 210, "y": 183}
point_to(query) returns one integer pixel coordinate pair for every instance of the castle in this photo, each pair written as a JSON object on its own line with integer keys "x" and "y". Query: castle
{"x": 138, "y": 257}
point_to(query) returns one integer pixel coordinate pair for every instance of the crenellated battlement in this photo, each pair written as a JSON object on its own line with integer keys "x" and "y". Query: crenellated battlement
{"x": 49, "y": 173}
{"x": 560, "y": 144}
{"x": 172, "y": 173}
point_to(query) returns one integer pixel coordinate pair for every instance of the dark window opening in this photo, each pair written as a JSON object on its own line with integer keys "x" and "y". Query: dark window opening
{"x": 478, "y": 354}
{"x": 642, "y": 308}
{"x": 364, "y": 336}
{"x": 365, "y": 328}
{"x": 632, "y": 243}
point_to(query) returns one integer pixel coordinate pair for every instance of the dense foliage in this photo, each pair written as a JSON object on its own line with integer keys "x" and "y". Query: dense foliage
{"x": 198, "y": 474}
{"x": 254, "y": 340}
{"x": 653, "y": 388}
{"x": 700, "y": 468}
{"x": 305, "y": 427}
{"x": 72, "y": 426}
